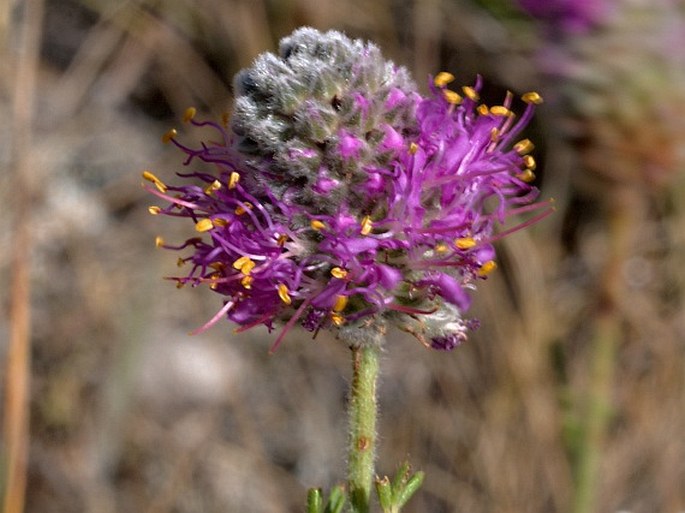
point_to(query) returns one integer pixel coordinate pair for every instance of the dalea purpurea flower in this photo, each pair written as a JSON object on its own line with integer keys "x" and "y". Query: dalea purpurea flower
{"x": 337, "y": 197}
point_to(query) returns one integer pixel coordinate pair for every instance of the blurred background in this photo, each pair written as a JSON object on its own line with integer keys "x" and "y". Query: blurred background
{"x": 571, "y": 396}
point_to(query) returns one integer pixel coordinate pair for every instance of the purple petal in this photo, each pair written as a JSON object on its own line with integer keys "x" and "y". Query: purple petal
{"x": 392, "y": 141}
{"x": 395, "y": 97}
{"x": 451, "y": 290}
{"x": 389, "y": 277}
{"x": 349, "y": 146}
{"x": 327, "y": 297}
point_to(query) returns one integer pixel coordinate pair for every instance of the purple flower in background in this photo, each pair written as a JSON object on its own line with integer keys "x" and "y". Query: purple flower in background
{"x": 338, "y": 196}
{"x": 567, "y": 16}
{"x": 619, "y": 89}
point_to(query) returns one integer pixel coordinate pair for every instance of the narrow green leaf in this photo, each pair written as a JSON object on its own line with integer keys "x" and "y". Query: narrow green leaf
{"x": 336, "y": 501}
{"x": 401, "y": 477}
{"x": 384, "y": 491}
{"x": 314, "y": 501}
{"x": 403, "y": 495}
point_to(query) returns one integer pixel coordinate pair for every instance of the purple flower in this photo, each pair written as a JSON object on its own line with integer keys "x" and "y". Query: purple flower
{"x": 568, "y": 16}
{"x": 394, "y": 223}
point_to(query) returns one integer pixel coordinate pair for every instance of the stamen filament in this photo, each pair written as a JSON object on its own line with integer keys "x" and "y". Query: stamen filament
{"x": 289, "y": 324}
{"x": 226, "y": 308}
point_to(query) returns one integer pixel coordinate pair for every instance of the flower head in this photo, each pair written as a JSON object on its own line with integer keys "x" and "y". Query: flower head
{"x": 341, "y": 197}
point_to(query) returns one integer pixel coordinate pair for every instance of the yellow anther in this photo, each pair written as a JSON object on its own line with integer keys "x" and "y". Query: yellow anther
{"x": 337, "y": 319}
{"x": 526, "y": 175}
{"x": 487, "y": 268}
{"x": 339, "y": 272}
{"x": 233, "y": 180}
{"x": 317, "y": 225}
{"x": 168, "y": 136}
{"x": 367, "y": 225}
{"x": 154, "y": 210}
{"x": 499, "y": 110}
{"x": 452, "y": 97}
{"x": 282, "y": 239}
{"x": 471, "y": 93}
{"x": 213, "y": 283}
{"x": 494, "y": 134}
{"x": 219, "y": 222}
{"x": 443, "y": 78}
{"x": 524, "y": 146}
{"x": 240, "y": 262}
{"x": 180, "y": 284}
{"x": 284, "y": 294}
{"x": 441, "y": 247}
{"x": 241, "y": 210}
{"x": 465, "y": 242}
{"x": 529, "y": 161}
{"x": 413, "y": 148}
{"x": 189, "y": 114}
{"x": 483, "y": 109}
{"x": 180, "y": 262}
{"x": 213, "y": 187}
{"x": 204, "y": 225}
{"x": 246, "y": 282}
{"x": 150, "y": 177}
{"x": 532, "y": 97}
{"x": 217, "y": 266}
{"x": 340, "y": 303}
{"x": 159, "y": 241}
{"x": 247, "y": 267}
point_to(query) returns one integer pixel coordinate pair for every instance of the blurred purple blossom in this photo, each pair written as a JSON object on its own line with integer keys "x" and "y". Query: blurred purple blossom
{"x": 567, "y": 16}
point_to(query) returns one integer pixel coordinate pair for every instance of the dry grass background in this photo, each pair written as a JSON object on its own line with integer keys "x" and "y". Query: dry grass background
{"x": 129, "y": 414}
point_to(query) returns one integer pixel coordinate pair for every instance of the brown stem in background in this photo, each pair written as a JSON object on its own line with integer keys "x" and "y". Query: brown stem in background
{"x": 16, "y": 410}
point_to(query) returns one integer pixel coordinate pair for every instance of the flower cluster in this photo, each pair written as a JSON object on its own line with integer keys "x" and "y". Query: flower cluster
{"x": 338, "y": 197}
